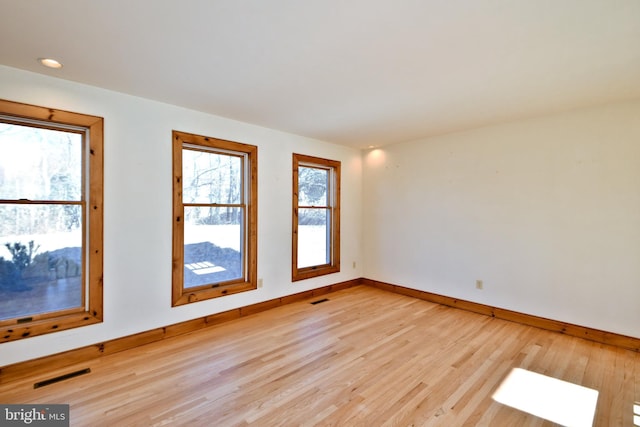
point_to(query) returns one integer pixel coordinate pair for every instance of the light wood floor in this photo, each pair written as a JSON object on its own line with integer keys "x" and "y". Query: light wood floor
{"x": 366, "y": 357}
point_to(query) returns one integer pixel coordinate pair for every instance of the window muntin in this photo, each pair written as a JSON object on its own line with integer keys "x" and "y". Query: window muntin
{"x": 215, "y": 201}
{"x": 50, "y": 220}
{"x": 316, "y": 217}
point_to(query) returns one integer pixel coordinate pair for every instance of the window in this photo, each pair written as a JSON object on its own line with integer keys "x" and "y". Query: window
{"x": 51, "y": 209}
{"x": 316, "y": 217}
{"x": 215, "y": 217}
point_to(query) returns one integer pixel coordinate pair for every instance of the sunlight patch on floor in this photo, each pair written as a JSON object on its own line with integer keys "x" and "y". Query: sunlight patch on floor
{"x": 636, "y": 414}
{"x": 554, "y": 400}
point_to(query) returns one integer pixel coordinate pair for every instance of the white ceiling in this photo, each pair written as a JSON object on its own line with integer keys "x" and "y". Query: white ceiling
{"x": 353, "y": 72}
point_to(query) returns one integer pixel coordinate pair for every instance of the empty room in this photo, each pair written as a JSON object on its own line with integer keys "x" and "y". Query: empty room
{"x": 320, "y": 213}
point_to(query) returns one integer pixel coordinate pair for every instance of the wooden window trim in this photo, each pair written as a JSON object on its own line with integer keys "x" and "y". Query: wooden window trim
{"x": 334, "y": 265}
{"x": 180, "y": 295}
{"x": 40, "y": 324}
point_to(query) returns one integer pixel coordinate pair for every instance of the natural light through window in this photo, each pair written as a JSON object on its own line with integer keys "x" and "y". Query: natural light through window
{"x": 50, "y": 220}
{"x": 316, "y": 217}
{"x": 41, "y": 220}
{"x": 554, "y": 400}
{"x": 215, "y": 202}
{"x": 636, "y": 414}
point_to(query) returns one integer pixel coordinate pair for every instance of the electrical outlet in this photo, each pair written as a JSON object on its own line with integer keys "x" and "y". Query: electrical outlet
{"x": 259, "y": 283}
{"x": 479, "y": 284}
{"x": 354, "y": 264}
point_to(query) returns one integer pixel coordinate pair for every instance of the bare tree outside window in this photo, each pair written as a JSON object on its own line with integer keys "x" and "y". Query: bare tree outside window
{"x": 316, "y": 217}
{"x": 41, "y": 221}
{"x": 51, "y": 212}
{"x": 215, "y": 217}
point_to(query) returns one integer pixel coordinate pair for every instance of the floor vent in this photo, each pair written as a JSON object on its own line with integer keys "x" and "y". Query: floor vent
{"x": 61, "y": 378}
{"x": 319, "y": 301}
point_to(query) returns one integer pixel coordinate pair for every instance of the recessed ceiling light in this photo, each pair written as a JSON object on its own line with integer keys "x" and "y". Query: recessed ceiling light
{"x": 51, "y": 63}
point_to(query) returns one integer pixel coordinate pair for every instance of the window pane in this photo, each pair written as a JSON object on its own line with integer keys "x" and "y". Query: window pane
{"x": 213, "y": 245}
{"x": 40, "y": 259}
{"x": 314, "y": 231}
{"x": 211, "y": 177}
{"x": 40, "y": 164}
{"x": 312, "y": 186}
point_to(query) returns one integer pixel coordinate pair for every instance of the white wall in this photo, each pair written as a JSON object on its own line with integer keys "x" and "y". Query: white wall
{"x": 137, "y": 221}
{"x": 545, "y": 211}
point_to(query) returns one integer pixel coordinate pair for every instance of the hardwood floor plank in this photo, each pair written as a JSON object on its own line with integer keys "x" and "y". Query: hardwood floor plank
{"x": 365, "y": 357}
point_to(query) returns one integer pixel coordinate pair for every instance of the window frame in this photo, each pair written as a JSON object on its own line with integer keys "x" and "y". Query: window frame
{"x": 180, "y": 294}
{"x": 92, "y": 234}
{"x": 333, "y": 196}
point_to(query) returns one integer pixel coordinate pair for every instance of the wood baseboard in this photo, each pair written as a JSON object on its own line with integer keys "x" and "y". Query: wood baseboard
{"x": 84, "y": 354}
{"x": 49, "y": 363}
{"x": 603, "y": 337}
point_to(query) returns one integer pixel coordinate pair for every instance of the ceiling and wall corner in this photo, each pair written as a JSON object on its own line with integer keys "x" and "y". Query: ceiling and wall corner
{"x": 359, "y": 73}
{"x": 430, "y": 80}
{"x": 138, "y": 200}
{"x": 544, "y": 212}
